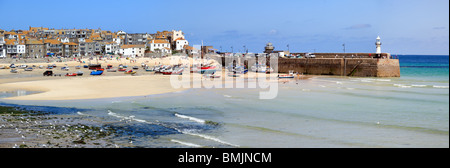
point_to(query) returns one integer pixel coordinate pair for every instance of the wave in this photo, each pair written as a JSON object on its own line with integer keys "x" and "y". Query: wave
{"x": 419, "y": 85}
{"x": 441, "y": 87}
{"x": 189, "y": 132}
{"x": 190, "y": 118}
{"x": 186, "y": 143}
{"x": 80, "y": 113}
{"x": 402, "y": 86}
{"x": 132, "y": 118}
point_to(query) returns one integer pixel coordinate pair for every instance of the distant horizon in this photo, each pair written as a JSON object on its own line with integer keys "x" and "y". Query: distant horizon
{"x": 408, "y": 27}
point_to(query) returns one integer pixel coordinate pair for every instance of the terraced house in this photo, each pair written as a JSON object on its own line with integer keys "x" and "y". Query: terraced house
{"x": 35, "y": 48}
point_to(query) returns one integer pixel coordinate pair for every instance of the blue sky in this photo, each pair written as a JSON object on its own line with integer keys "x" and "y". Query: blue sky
{"x": 405, "y": 26}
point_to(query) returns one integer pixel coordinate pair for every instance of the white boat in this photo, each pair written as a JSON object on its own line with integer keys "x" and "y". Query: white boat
{"x": 111, "y": 70}
{"x": 29, "y": 69}
{"x": 261, "y": 68}
{"x": 66, "y": 68}
{"x": 22, "y": 66}
{"x": 290, "y": 75}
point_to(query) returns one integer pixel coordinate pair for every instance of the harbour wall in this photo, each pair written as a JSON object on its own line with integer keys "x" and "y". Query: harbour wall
{"x": 364, "y": 66}
{"x": 360, "y": 67}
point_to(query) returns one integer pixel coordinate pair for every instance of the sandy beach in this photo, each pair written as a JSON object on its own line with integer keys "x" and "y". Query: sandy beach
{"x": 110, "y": 84}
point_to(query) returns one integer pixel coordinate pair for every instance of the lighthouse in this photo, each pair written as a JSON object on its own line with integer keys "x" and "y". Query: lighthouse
{"x": 378, "y": 44}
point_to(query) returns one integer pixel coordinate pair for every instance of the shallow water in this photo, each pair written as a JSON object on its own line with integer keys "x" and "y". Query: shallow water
{"x": 324, "y": 111}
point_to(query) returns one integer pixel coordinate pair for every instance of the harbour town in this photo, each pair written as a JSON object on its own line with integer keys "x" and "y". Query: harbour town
{"x": 45, "y": 44}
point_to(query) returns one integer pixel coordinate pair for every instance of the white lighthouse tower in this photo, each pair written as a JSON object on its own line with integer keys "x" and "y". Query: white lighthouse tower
{"x": 378, "y": 44}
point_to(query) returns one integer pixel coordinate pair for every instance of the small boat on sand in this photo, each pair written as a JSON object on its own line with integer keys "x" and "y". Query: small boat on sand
{"x": 14, "y": 71}
{"x": 29, "y": 69}
{"x": 80, "y": 73}
{"x": 111, "y": 70}
{"x": 71, "y": 74}
{"x": 290, "y": 75}
{"x": 130, "y": 72}
{"x": 96, "y": 73}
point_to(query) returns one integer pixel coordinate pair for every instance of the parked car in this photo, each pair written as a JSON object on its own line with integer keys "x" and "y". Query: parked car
{"x": 48, "y": 73}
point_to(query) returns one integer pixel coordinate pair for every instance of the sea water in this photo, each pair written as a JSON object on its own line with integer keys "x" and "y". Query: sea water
{"x": 322, "y": 111}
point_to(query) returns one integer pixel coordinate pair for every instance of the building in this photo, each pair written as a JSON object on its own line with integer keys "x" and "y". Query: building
{"x": 132, "y": 50}
{"x": 53, "y": 47}
{"x": 71, "y": 49}
{"x": 136, "y": 39}
{"x": 86, "y": 47}
{"x": 35, "y": 48}
{"x": 112, "y": 48}
{"x": 160, "y": 46}
{"x": 180, "y": 43}
{"x": 190, "y": 50}
{"x": 2, "y": 44}
{"x": 15, "y": 48}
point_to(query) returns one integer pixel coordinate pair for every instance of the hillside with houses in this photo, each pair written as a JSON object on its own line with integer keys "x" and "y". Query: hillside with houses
{"x": 38, "y": 42}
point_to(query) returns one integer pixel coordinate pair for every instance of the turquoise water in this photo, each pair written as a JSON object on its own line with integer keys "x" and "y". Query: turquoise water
{"x": 324, "y": 111}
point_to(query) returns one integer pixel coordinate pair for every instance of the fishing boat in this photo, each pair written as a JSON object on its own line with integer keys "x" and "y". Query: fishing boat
{"x": 94, "y": 66}
{"x": 41, "y": 66}
{"x": 85, "y": 66}
{"x": 22, "y": 66}
{"x": 14, "y": 71}
{"x": 290, "y": 75}
{"x": 122, "y": 69}
{"x": 111, "y": 70}
{"x": 97, "y": 72}
{"x": 66, "y": 68}
{"x": 194, "y": 69}
{"x": 208, "y": 67}
{"x": 78, "y": 67}
{"x": 173, "y": 72}
{"x": 29, "y": 69}
{"x": 135, "y": 67}
{"x": 239, "y": 70}
{"x": 207, "y": 71}
{"x": 130, "y": 72}
{"x": 80, "y": 73}
{"x": 12, "y": 66}
{"x": 212, "y": 76}
{"x": 150, "y": 69}
{"x": 261, "y": 68}
{"x": 71, "y": 74}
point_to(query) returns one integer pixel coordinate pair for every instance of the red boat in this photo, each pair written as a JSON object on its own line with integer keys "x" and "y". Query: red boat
{"x": 208, "y": 67}
{"x": 71, "y": 74}
{"x": 178, "y": 72}
{"x": 122, "y": 69}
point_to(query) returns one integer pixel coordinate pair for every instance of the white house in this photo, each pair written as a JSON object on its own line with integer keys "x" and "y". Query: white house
{"x": 15, "y": 48}
{"x": 112, "y": 48}
{"x": 180, "y": 43}
{"x": 162, "y": 46}
{"x": 132, "y": 50}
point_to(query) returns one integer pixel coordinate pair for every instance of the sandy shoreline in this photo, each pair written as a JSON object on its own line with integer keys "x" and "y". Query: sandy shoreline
{"x": 113, "y": 84}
